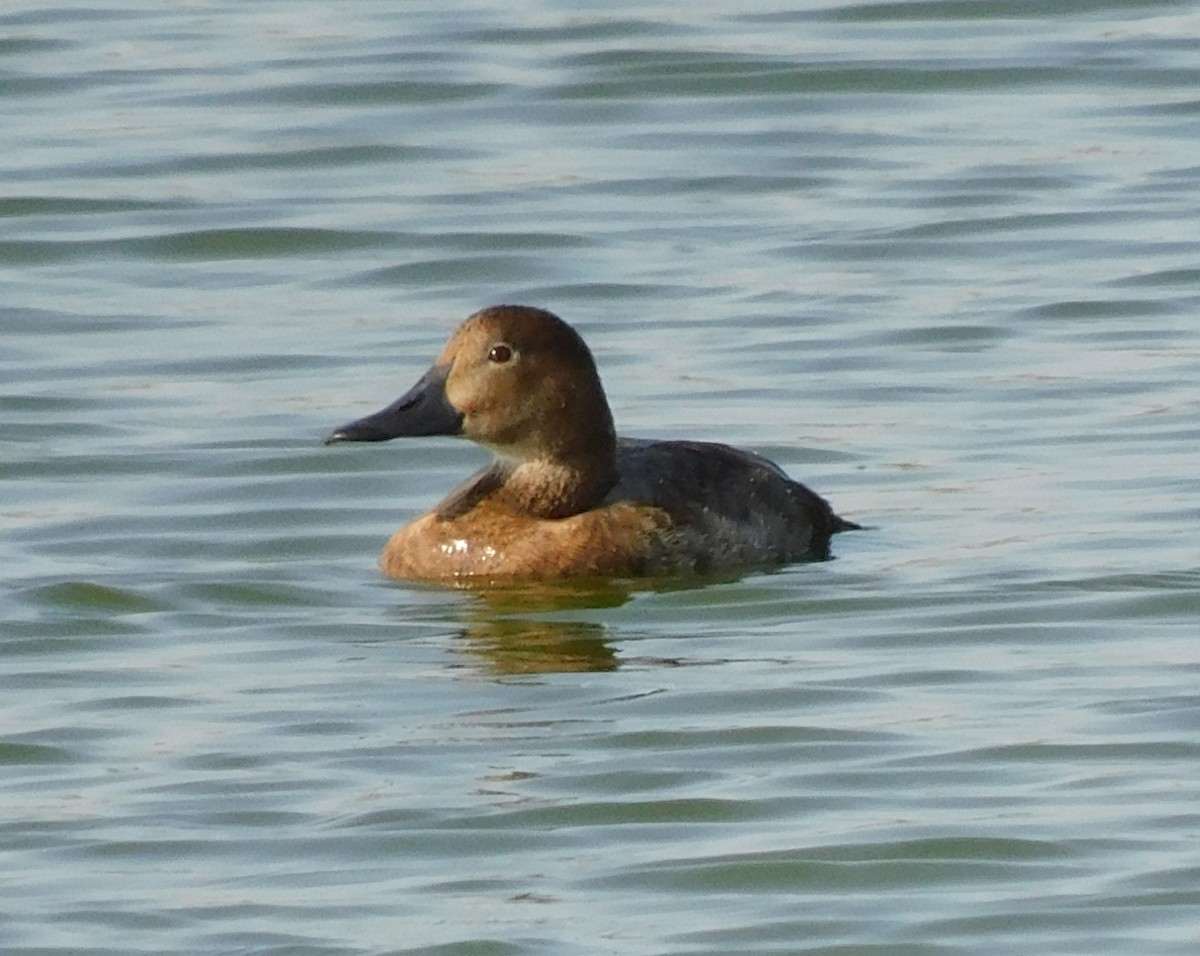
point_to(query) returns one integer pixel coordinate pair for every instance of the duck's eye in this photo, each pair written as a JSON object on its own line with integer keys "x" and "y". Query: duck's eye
{"x": 500, "y": 353}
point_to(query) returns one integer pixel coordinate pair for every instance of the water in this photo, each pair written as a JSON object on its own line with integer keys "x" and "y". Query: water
{"x": 940, "y": 260}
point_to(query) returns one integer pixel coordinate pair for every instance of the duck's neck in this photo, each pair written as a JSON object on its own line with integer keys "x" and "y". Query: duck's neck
{"x": 556, "y": 480}
{"x": 566, "y": 476}
{"x": 557, "y": 489}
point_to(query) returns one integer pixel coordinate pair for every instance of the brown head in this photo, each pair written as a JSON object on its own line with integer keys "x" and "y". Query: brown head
{"x": 518, "y": 380}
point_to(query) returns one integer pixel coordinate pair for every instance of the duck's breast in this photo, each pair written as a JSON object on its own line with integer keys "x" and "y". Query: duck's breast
{"x": 490, "y": 542}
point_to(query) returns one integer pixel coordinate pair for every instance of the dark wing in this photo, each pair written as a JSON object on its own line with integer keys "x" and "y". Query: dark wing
{"x": 710, "y": 486}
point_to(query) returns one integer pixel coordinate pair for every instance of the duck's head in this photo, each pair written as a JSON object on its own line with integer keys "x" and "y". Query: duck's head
{"x": 514, "y": 378}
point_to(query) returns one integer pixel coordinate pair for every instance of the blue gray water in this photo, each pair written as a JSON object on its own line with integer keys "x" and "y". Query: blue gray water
{"x": 939, "y": 259}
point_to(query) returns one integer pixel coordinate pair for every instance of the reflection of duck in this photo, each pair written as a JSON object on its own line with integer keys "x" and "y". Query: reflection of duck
{"x": 565, "y": 497}
{"x": 522, "y": 646}
{"x": 500, "y": 631}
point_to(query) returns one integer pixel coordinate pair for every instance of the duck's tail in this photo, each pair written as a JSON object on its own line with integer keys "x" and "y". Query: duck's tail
{"x": 842, "y": 524}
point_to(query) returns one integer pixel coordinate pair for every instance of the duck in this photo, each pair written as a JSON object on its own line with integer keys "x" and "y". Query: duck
{"x": 565, "y": 497}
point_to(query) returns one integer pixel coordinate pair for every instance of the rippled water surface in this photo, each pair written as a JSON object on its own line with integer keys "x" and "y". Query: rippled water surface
{"x": 939, "y": 259}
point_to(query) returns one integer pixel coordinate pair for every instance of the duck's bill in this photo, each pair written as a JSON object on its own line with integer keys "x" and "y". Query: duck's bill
{"x": 422, "y": 410}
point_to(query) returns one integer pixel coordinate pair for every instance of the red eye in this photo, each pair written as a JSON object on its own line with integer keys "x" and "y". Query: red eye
{"x": 500, "y": 353}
